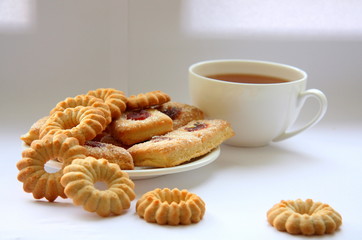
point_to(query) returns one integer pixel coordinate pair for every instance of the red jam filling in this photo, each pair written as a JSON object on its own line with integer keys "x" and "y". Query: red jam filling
{"x": 172, "y": 112}
{"x": 197, "y": 126}
{"x": 138, "y": 115}
{"x": 94, "y": 144}
{"x": 160, "y": 138}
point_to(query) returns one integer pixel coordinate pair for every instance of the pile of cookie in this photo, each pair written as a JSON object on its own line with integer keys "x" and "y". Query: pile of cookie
{"x": 95, "y": 136}
{"x": 141, "y": 130}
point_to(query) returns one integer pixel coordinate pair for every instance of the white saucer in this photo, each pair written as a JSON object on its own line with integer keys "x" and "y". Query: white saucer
{"x": 144, "y": 173}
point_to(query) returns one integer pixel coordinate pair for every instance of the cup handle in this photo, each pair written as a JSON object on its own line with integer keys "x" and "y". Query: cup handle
{"x": 322, "y": 100}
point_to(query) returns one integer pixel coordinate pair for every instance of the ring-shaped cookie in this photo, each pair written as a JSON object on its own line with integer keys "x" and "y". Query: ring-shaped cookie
{"x": 32, "y": 173}
{"x": 115, "y": 99}
{"x": 85, "y": 101}
{"x": 147, "y": 100}
{"x": 79, "y": 179}
{"x": 83, "y": 123}
{"x": 170, "y": 207}
{"x": 304, "y": 217}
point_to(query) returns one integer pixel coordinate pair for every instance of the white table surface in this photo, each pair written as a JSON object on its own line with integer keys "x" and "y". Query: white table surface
{"x": 323, "y": 163}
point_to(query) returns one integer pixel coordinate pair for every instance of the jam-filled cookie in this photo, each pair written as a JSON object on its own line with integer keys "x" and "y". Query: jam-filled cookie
{"x": 166, "y": 151}
{"x": 179, "y": 146}
{"x": 139, "y": 126}
{"x": 181, "y": 113}
{"x": 211, "y": 132}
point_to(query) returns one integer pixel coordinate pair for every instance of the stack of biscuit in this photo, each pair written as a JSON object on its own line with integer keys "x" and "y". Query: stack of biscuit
{"x": 147, "y": 130}
{"x": 95, "y": 136}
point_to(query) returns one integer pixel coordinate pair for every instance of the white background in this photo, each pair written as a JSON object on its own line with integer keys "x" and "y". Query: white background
{"x": 50, "y": 50}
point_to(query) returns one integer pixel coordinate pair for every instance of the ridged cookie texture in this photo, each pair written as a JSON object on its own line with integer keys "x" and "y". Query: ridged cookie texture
{"x": 79, "y": 181}
{"x": 147, "y": 100}
{"x": 304, "y": 217}
{"x": 32, "y": 170}
{"x": 115, "y": 99}
{"x": 85, "y": 101}
{"x": 171, "y": 207}
{"x": 83, "y": 123}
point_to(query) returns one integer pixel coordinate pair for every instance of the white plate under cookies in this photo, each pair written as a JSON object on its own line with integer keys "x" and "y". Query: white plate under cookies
{"x": 144, "y": 173}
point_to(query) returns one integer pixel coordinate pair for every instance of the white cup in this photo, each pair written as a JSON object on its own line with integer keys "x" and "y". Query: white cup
{"x": 258, "y": 113}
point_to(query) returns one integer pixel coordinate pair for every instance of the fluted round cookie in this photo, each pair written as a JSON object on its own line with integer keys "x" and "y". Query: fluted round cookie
{"x": 304, "y": 217}
{"x": 83, "y": 123}
{"x": 34, "y": 131}
{"x": 115, "y": 99}
{"x": 85, "y": 101}
{"x": 171, "y": 207}
{"x": 79, "y": 181}
{"x": 147, "y": 100}
{"x": 35, "y": 178}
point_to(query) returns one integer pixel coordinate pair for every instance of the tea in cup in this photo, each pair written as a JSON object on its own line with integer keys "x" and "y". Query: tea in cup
{"x": 261, "y": 100}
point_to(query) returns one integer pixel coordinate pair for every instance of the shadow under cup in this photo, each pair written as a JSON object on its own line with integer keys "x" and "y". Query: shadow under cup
{"x": 259, "y": 113}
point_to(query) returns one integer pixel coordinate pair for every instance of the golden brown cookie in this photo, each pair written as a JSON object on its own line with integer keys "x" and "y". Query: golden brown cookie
{"x": 85, "y": 101}
{"x": 138, "y": 126}
{"x": 211, "y": 132}
{"x": 114, "y": 154}
{"x": 166, "y": 151}
{"x": 304, "y": 217}
{"x": 83, "y": 123}
{"x": 35, "y": 178}
{"x": 115, "y": 99}
{"x": 33, "y": 133}
{"x": 179, "y": 146}
{"x": 79, "y": 181}
{"x": 181, "y": 113}
{"x": 147, "y": 100}
{"x": 172, "y": 207}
